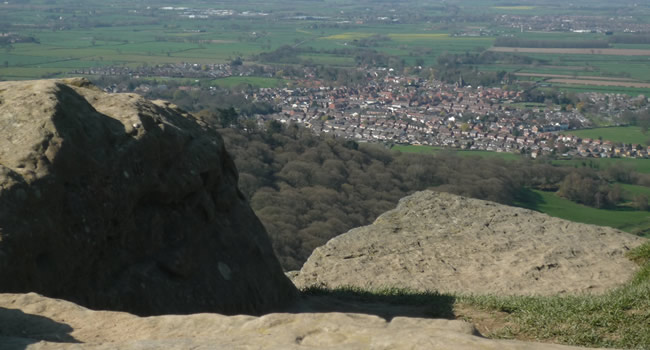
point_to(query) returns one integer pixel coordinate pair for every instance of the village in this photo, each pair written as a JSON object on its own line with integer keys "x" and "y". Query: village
{"x": 579, "y": 24}
{"x": 406, "y": 109}
{"x": 410, "y": 110}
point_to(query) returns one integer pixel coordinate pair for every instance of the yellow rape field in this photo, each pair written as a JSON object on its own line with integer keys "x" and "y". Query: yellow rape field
{"x": 514, "y": 7}
{"x": 417, "y": 36}
{"x": 408, "y": 36}
{"x": 348, "y": 36}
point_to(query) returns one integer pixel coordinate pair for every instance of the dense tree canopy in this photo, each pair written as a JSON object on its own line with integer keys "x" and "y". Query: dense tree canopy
{"x": 307, "y": 189}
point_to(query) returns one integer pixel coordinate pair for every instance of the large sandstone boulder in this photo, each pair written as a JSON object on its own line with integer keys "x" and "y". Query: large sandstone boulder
{"x": 30, "y": 321}
{"x": 116, "y": 202}
{"x": 449, "y": 243}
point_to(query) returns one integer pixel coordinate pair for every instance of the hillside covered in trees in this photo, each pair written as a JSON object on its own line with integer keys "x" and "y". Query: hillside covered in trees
{"x": 307, "y": 189}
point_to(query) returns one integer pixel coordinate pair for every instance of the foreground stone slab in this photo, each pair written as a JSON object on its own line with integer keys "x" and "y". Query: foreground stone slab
{"x": 30, "y": 321}
{"x": 449, "y": 243}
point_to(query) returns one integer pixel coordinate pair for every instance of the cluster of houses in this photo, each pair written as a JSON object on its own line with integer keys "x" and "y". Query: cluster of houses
{"x": 397, "y": 109}
{"x": 574, "y": 146}
{"x": 578, "y": 24}
{"x": 394, "y": 108}
{"x": 172, "y": 70}
{"x": 15, "y": 38}
{"x": 205, "y": 13}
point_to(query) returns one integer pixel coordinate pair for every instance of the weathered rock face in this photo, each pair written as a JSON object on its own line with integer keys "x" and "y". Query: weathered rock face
{"x": 444, "y": 242}
{"x": 29, "y": 321}
{"x": 116, "y": 202}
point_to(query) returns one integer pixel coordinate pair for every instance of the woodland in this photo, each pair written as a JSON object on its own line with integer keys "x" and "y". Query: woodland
{"x": 307, "y": 189}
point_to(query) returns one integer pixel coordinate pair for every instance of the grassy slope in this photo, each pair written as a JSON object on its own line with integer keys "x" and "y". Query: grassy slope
{"x": 629, "y": 191}
{"x": 632, "y": 221}
{"x": 433, "y": 150}
{"x": 639, "y": 165}
{"x": 625, "y": 219}
{"x": 257, "y": 82}
{"x": 620, "y": 318}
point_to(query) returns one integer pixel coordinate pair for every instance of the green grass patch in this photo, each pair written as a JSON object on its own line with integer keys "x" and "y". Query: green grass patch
{"x": 640, "y": 255}
{"x": 602, "y": 89}
{"x": 616, "y": 319}
{"x": 637, "y": 164}
{"x": 619, "y": 318}
{"x": 258, "y": 82}
{"x": 629, "y": 191}
{"x": 462, "y": 153}
{"x": 626, "y": 219}
{"x": 620, "y": 134}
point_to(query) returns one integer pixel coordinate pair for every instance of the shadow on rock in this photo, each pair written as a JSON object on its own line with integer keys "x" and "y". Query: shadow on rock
{"x": 114, "y": 202}
{"x": 18, "y": 330}
{"x": 387, "y": 303}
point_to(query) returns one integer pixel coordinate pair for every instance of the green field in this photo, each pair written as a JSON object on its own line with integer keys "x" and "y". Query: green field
{"x": 623, "y": 218}
{"x": 462, "y": 153}
{"x": 629, "y": 191}
{"x": 639, "y": 165}
{"x": 577, "y": 65}
{"x": 615, "y": 319}
{"x": 602, "y": 89}
{"x": 628, "y": 220}
{"x": 122, "y": 33}
{"x": 256, "y": 82}
{"x": 621, "y": 134}
{"x": 128, "y": 36}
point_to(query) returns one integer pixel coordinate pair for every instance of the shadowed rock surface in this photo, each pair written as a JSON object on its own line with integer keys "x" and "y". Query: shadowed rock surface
{"x": 116, "y": 330}
{"x": 449, "y": 243}
{"x": 116, "y": 202}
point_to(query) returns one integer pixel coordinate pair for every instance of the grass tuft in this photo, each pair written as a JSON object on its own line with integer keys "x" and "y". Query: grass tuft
{"x": 640, "y": 254}
{"x": 389, "y": 295}
{"x": 620, "y": 318}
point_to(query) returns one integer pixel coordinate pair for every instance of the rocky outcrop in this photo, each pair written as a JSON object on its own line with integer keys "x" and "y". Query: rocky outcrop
{"x": 116, "y": 202}
{"x": 449, "y": 243}
{"x": 29, "y": 321}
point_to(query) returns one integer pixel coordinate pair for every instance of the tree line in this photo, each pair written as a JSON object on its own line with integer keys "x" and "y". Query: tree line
{"x": 562, "y": 44}
{"x": 451, "y": 68}
{"x": 638, "y": 118}
{"x": 307, "y": 189}
{"x": 362, "y": 56}
{"x": 195, "y": 100}
{"x": 630, "y": 39}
